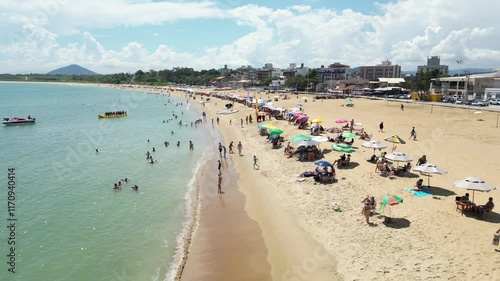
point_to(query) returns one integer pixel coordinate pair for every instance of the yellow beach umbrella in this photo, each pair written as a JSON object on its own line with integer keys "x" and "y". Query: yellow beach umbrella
{"x": 316, "y": 121}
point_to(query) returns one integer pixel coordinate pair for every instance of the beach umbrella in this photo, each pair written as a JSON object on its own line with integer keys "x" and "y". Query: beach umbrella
{"x": 316, "y": 121}
{"x": 341, "y": 121}
{"x": 275, "y": 131}
{"x": 323, "y": 163}
{"x": 266, "y": 126}
{"x": 348, "y": 100}
{"x": 395, "y": 139}
{"x": 272, "y": 137}
{"x": 473, "y": 183}
{"x": 300, "y": 137}
{"x": 428, "y": 169}
{"x": 398, "y": 157}
{"x": 299, "y": 105}
{"x": 319, "y": 139}
{"x": 306, "y": 143}
{"x": 374, "y": 144}
{"x": 390, "y": 200}
{"x": 348, "y": 135}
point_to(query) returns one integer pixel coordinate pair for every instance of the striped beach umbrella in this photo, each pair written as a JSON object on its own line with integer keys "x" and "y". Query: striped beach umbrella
{"x": 395, "y": 139}
{"x": 390, "y": 200}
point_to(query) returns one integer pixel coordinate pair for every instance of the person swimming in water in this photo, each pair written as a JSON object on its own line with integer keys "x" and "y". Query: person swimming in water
{"x": 96, "y": 150}
{"x": 178, "y": 143}
{"x": 135, "y": 187}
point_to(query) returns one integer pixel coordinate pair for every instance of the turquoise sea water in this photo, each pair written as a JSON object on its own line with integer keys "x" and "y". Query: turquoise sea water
{"x": 71, "y": 225}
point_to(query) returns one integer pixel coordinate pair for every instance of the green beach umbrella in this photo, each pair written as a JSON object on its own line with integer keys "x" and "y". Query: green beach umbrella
{"x": 390, "y": 200}
{"x": 275, "y": 132}
{"x": 348, "y": 100}
{"x": 348, "y": 135}
{"x": 300, "y": 137}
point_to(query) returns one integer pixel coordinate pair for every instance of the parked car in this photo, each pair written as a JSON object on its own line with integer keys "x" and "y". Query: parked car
{"x": 459, "y": 102}
{"x": 494, "y": 102}
{"x": 475, "y": 103}
{"x": 483, "y": 103}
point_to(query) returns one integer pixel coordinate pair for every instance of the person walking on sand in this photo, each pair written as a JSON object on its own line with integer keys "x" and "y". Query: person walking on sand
{"x": 219, "y": 166}
{"x": 230, "y": 122}
{"x": 217, "y": 120}
{"x": 381, "y": 127}
{"x": 220, "y": 149}
{"x": 242, "y": 122}
{"x": 231, "y": 148}
{"x": 413, "y": 134}
{"x": 240, "y": 147}
{"x": 255, "y": 165}
{"x": 402, "y": 107}
{"x": 224, "y": 151}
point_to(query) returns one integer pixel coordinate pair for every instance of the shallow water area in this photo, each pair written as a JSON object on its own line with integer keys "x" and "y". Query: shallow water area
{"x": 71, "y": 224}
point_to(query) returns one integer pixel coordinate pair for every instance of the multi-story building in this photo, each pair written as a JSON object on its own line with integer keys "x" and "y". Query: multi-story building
{"x": 384, "y": 70}
{"x": 249, "y": 73}
{"x": 433, "y": 62}
{"x": 336, "y": 71}
{"x": 224, "y": 70}
{"x": 467, "y": 86}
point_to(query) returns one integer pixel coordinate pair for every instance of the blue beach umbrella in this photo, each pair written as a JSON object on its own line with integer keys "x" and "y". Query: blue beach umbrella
{"x": 323, "y": 163}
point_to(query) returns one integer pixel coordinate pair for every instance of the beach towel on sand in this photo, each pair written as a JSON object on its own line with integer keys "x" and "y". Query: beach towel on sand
{"x": 421, "y": 193}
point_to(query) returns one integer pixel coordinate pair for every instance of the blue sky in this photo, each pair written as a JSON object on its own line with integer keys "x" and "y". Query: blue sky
{"x": 126, "y": 35}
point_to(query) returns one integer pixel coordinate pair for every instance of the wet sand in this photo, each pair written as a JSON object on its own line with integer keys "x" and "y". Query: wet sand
{"x": 228, "y": 245}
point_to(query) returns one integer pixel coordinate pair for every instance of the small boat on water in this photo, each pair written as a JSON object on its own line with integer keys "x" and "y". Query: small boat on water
{"x": 18, "y": 121}
{"x": 114, "y": 114}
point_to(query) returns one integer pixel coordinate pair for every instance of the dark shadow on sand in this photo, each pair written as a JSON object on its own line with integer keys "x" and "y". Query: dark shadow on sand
{"x": 436, "y": 190}
{"x": 409, "y": 175}
{"x": 352, "y": 165}
{"x": 397, "y": 223}
{"x": 490, "y": 217}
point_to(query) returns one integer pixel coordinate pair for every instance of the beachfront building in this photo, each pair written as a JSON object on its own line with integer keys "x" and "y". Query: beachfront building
{"x": 248, "y": 72}
{"x": 349, "y": 86}
{"x": 467, "y": 86}
{"x": 333, "y": 72}
{"x": 492, "y": 93}
{"x": 433, "y": 62}
{"x": 384, "y": 70}
{"x": 224, "y": 70}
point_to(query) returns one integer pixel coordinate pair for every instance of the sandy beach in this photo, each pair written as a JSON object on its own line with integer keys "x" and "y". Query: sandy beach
{"x": 305, "y": 239}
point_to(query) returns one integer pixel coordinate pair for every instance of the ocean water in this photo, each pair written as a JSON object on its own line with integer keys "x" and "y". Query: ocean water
{"x": 71, "y": 225}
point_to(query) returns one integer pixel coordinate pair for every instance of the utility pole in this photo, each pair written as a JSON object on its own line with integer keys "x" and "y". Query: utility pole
{"x": 458, "y": 77}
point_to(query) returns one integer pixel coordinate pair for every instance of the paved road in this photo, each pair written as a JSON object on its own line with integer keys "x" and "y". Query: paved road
{"x": 491, "y": 108}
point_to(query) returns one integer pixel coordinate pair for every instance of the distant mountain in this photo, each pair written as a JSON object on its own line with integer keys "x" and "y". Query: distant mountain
{"x": 72, "y": 69}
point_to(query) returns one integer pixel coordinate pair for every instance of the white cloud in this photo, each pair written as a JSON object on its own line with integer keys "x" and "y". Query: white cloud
{"x": 405, "y": 32}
